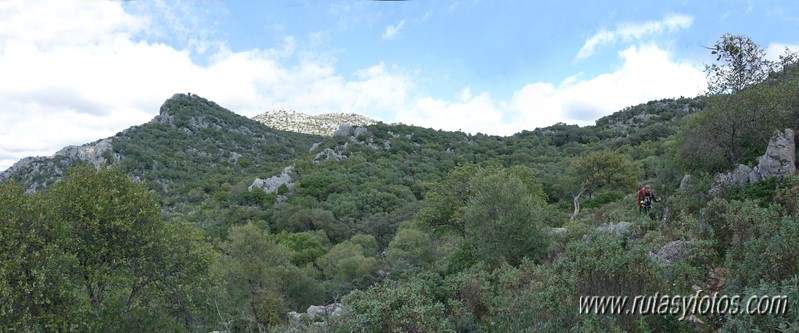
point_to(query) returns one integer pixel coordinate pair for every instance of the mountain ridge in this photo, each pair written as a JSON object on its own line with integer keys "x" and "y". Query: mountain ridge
{"x": 324, "y": 124}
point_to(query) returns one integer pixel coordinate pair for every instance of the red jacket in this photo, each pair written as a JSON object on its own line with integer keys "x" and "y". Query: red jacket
{"x": 645, "y": 196}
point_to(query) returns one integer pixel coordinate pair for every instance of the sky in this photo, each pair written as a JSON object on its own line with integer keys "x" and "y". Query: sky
{"x": 75, "y": 71}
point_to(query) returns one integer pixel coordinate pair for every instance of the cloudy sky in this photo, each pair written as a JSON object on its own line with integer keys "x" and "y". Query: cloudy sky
{"x": 72, "y": 72}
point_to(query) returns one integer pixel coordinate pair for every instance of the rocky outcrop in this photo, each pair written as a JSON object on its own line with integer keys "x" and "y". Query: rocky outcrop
{"x": 670, "y": 253}
{"x": 99, "y": 153}
{"x": 318, "y": 318}
{"x": 618, "y": 229}
{"x": 272, "y": 184}
{"x": 323, "y": 124}
{"x": 778, "y": 161}
{"x": 686, "y": 180}
{"x": 328, "y": 154}
{"x": 555, "y": 231}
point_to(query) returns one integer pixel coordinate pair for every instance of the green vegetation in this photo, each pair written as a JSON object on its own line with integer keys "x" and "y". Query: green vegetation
{"x": 411, "y": 229}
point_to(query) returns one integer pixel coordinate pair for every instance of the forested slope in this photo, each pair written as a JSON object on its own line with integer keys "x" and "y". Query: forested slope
{"x": 208, "y": 221}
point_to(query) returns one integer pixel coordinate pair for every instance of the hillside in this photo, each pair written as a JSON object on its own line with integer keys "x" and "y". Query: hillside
{"x": 391, "y": 227}
{"x": 192, "y": 143}
{"x": 323, "y": 124}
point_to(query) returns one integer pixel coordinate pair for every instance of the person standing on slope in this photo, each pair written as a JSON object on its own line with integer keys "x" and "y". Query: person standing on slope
{"x": 645, "y": 199}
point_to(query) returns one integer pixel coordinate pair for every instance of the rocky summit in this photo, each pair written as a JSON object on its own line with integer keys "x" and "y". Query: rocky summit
{"x": 323, "y": 124}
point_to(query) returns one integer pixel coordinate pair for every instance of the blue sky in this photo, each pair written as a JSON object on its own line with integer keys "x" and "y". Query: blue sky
{"x": 78, "y": 71}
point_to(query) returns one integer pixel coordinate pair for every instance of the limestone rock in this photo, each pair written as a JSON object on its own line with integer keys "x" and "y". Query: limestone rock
{"x": 670, "y": 253}
{"x": 555, "y": 231}
{"x": 324, "y": 124}
{"x": 320, "y": 311}
{"x": 313, "y": 147}
{"x": 618, "y": 229}
{"x": 343, "y": 130}
{"x": 685, "y": 181}
{"x": 329, "y": 154}
{"x": 359, "y": 131}
{"x": 94, "y": 153}
{"x": 272, "y": 184}
{"x": 778, "y": 161}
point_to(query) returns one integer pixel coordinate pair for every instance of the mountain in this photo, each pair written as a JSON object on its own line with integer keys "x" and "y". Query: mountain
{"x": 323, "y": 124}
{"x": 192, "y": 141}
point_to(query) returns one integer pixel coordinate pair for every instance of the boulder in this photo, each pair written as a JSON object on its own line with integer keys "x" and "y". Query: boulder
{"x": 618, "y": 229}
{"x": 686, "y": 180}
{"x": 94, "y": 153}
{"x": 555, "y": 231}
{"x": 329, "y": 154}
{"x": 342, "y": 130}
{"x": 272, "y": 184}
{"x": 320, "y": 311}
{"x": 670, "y": 253}
{"x": 778, "y": 161}
{"x": 359, "y": 131}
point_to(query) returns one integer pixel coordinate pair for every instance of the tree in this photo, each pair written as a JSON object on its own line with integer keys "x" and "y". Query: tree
{"x": 93, "y": 254}
{"x": 250, "y": 265}
{"x": 604, "y": 169}
{"x": 35, "y": 286}
{"x": 503, "y": 220}
{"x": 742, "y": 64}
{"x": 743, "y": 108}
{"x": 129, "y": 263}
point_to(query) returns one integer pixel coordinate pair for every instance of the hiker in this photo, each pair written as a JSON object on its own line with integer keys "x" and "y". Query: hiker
{"x": 645, "y": 199}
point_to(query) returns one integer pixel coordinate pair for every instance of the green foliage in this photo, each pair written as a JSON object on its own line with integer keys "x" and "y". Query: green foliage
{"x": 765, "y": 253}
{"x": 744, "y": 108}
{"x": 410, "y": 248}
{"x": 37, "y": 294}
{"x": 307, "y": 246}
{"x": 97, "y": 242}
{"x": 603, "y": 199}
{"x": 441, "y": 232}
{"x": 346, "y": 265}
{"x": 606, "y": 170}
{"x": 602, "y": 266}
{"x": 414, "y": 306}
{"x": 503, "y": 221}
{"x": 261, "y": 284}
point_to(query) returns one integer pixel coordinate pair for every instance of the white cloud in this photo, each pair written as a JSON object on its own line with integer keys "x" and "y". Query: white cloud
{"x": 775, "y": 50}
{"x": 633, "y": 31}
{"x": 75, "y": 72}
{"x": 647, "y": 73}
{"x": 392, "y": 30}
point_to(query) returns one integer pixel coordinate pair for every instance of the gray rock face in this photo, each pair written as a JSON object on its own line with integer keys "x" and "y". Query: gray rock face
{"x": 272, "y": 184}
{"x": 313, "y": 147}
{"x": 670, "y": 253}
{"x": 685, "y": 181}
{"x": 555, "y": 231}
{"x": 323, "y": 124}
{"x": 93, "y": 153}
{"x": 329, "y": 154}
{"x": 319, "y": 311}
{"x": 618, "y": 229}
{"x": 778, "y": 161}
{"x": 342, "y": 130}
{"x": 359, "y": 131}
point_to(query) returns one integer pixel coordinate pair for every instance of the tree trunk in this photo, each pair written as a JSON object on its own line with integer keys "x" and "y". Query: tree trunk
{"x": 577, "y": 204}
